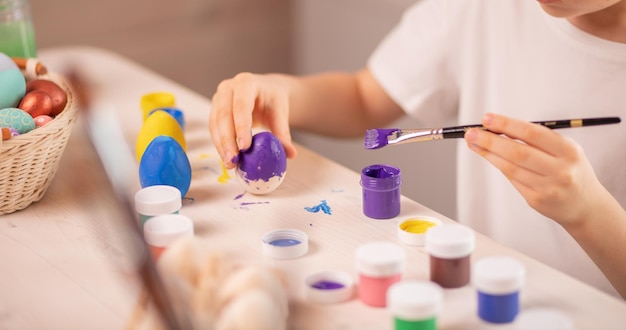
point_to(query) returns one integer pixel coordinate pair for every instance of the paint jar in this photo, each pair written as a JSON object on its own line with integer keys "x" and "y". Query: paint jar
{"x": 163, "y": 230}
{"x": 415, "y": 304}
{"x": 285, "y": 244}
{"x": 379, "y": 265}
{"x": 156, "y": 100}
{"x": 498, "y": 280}
{"x": 412, "y": 231}
{"x": 329, "y": 287}
{"x": 450, "y": 247}
{"x": 381, "y": 191}
{"x": 544, "y": 318}
{"x": 156, "y": 200}
{"x": 16, "y": 29}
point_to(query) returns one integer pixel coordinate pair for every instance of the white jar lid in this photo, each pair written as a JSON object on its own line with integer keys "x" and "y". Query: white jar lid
{"x": 380, "y": 259}
{"x": 163, "y": 230}
{"x": 414, "y": 300}
{"x": 329, "y": 287}
{"x": 412, "y": 231}
{"x": 285, "y": 243}
{"x": 450, "y": 241}
{"x": 544, "y": 318}
{"x": 158, "y": 199}
{"x": 498, "y": 275}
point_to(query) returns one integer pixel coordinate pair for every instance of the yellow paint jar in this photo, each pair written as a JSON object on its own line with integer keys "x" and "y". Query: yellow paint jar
{"x": 411, "y": 231}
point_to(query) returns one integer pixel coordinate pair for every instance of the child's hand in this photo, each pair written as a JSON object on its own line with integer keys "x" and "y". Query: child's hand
{"x": 245, "y": 101}
{"x": 550, "y": 171}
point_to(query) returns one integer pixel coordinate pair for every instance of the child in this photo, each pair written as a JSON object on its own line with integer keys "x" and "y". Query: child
{"x": 492, "y": 61}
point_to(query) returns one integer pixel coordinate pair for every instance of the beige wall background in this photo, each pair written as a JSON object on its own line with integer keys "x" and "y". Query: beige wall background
{"x": 198, "y": 43}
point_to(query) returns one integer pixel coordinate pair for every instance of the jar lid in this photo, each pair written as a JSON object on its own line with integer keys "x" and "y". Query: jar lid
{"x": 328, "y": 287}
{"x": 414, "y": 300}
{"x": 163, "y": 230}
{"x": 498, "y": 275}
{"x": 450, "y": 241}
{"x": 285, "y": 243}
{"x": 380, "y": 259}
{"x": 158, "y": 199}
{"x": 412, "y": 231}
{"x": 544, "y": 318}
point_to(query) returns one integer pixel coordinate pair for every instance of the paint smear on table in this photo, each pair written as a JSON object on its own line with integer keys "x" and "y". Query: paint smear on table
{"x": 322, "y": 206}
{"x": 224, "y": 177}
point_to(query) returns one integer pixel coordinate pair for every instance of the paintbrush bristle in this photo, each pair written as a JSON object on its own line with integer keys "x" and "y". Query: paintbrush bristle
{"x": 378, "y": 137}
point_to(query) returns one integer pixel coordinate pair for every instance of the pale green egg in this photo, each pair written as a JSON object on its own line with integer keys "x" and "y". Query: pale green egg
{"x": 12, "y": 83}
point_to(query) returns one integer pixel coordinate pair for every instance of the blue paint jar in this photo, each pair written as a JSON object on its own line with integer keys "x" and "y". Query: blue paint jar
{"x": 381, "y": 191}
{"x": 498, "y": 281}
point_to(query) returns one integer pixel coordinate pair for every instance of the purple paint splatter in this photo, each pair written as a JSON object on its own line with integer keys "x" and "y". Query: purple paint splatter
{"x": 323, "y": 206}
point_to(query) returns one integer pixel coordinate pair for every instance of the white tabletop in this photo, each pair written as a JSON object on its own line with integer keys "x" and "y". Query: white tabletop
{"x": 64, "y": 264}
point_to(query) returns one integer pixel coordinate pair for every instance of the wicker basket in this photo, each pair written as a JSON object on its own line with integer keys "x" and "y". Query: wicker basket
{"x": 29, "y": 161}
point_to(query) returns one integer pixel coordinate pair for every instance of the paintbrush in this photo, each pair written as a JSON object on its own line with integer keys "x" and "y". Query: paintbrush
{"x": 380, "y": 137}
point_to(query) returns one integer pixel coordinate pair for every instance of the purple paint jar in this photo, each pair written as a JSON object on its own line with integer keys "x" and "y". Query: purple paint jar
{"x": 381, "y": 191}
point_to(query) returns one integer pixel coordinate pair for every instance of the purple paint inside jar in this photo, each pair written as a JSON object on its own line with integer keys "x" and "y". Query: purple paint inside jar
{"x": 327, "y": 285}
{"x": 381, "y": 191}
{"x": 266, "y": 158}
{"x": 285, "y": 242}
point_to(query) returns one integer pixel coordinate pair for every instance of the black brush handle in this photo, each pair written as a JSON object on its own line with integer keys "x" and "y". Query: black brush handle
{"x": 457, "y": 132}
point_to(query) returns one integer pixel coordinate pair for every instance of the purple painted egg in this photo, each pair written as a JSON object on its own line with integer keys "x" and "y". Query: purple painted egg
{"x": 262, "y": 168}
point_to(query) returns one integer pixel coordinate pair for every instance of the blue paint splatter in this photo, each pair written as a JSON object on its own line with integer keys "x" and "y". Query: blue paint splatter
{"x": 323, "y": 206}
{"x": 239, "y": 196}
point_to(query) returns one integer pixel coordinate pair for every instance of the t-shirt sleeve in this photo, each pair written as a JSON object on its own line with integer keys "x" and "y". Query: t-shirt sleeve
{"x": 411, "y": 63}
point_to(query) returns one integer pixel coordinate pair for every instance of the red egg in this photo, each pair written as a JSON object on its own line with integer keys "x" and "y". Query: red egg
{"x": 36, "y": 103}
{"x": 57, "y": 95}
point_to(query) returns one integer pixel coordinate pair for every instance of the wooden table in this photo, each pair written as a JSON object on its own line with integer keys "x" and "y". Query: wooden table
{"x": 65, "y": 264}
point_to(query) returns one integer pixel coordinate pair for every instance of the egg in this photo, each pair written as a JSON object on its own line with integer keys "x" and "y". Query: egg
{"x": 18, "y": 119}
{"x": 36, "y": 103}
{"x": 158, "y": 124}
{"x": 12, "y": 83}
{"x": 56, "y": 93}
{"x": 42, "y": 120}
{"x": 164, "y": 162}
{"x": 262, "y": 167}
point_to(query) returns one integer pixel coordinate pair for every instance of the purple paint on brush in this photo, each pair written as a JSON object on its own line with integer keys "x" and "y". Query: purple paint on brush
{"x": 266, "y": 158}
{"x": 377, "y": 138}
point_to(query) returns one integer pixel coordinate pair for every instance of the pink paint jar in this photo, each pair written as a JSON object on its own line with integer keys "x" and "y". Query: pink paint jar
{"x": 163, "y": 230}
{"x": 379, "y": 265}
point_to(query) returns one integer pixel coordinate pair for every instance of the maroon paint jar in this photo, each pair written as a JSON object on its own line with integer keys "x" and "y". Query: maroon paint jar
{"x": 450, "y": 247}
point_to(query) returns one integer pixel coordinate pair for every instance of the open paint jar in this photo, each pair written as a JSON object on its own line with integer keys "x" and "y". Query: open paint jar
{"x": 328, "y": 287}
{"x": 381, "y": 191}
{"x": 285, "y": 244}
{"x": 412, "y": 231}
{"x": 379, "y": 265}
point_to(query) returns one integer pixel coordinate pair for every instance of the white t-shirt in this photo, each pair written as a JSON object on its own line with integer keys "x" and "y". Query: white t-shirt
{"x": 464, "y": 58}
